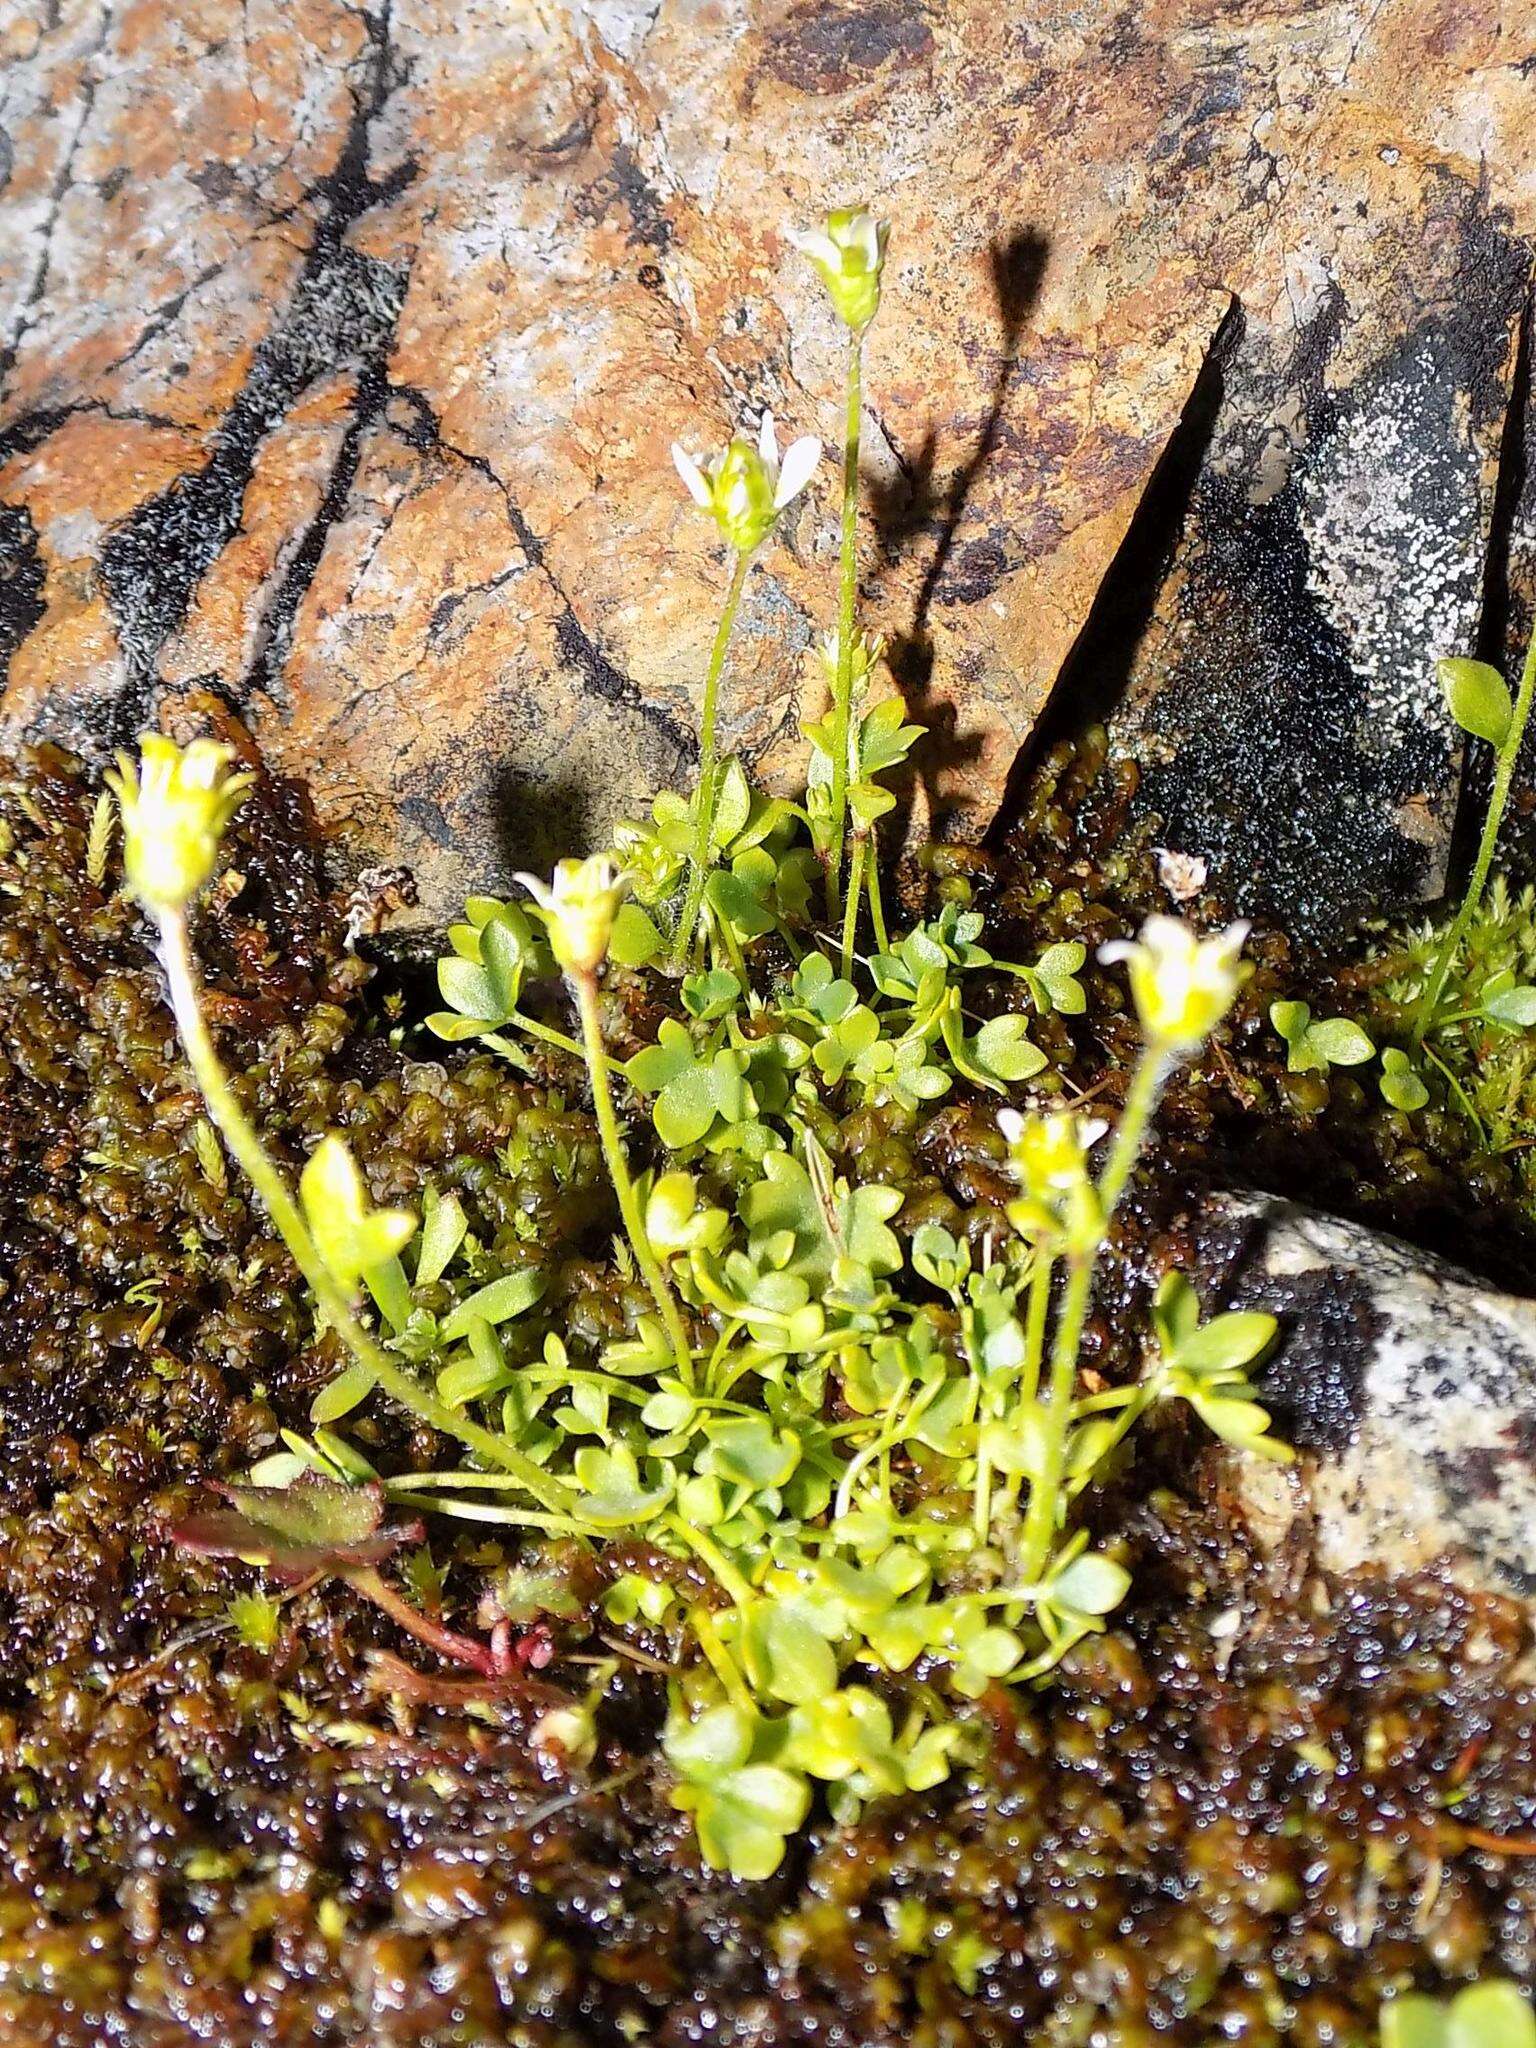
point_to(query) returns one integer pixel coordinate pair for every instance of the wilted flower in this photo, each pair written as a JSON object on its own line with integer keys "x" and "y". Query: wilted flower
{"x": 744, "y": 489}
{"x": 849, "y": 251}
{"x": 1058, "y": 1205}
{"x": 580, "y": 903}
{"x": 1183, "y": 875}
{"x": 1183, "y": 985}
{"x": 175, "y": 803}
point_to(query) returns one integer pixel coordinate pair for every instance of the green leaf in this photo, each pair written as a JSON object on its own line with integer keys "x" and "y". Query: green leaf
{"x": 1478, "y": 698}
{"x": 1090, "y": 1584}
{"x": 789, "y": 1656}
{"x": 466, "y": 988}
{"x": 314, "y": 1525}
{"x": 1227, "y": 1342}
{"x": 349, "y": 1388}
{"x": 635, "y": 940}
{"x": 1341, "y": 1043}
{"x": 1290, "y": 1019}
{"x": 512, "y": 1295}
{"x": 1056, "y": 971}
{"x": 444, "y": 1227}
{"x": 707, "y": 996}
{"x": 1414, "y": 2021}
{"x": 687, "y": 1107}
{"x": 1400, "y": 1085}
{"x": 1512, "y": 1003}
{"x": 1491, "y": 2015}
{"x": 1003, "y": 1048}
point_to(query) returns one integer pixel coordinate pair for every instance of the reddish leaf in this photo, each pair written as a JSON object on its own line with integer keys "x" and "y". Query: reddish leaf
{"x": 315, "y": 1525}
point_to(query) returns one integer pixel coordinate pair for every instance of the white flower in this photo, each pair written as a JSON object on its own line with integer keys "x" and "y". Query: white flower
{"x": 849, "y": 251}
{"x": 745, "y": 488}
{"x": 1183, "y": 985}
{"x": 175, "y": 803}
{"x": 580, "y": 903}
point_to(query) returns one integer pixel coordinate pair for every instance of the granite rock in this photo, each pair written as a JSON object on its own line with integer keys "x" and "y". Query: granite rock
{"x": 1408, "y": 1386}
{"x": 340, "y": 349}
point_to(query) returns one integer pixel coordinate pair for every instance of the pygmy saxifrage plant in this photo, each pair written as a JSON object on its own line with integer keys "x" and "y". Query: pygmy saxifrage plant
{"x": 867, "y": 1445}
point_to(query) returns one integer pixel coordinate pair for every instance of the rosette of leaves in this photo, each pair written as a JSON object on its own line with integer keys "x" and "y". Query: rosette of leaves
{"x": 1206, "y": 1364}
{"x": 494, "y": 953}
{"x": 1314, "y": 1044}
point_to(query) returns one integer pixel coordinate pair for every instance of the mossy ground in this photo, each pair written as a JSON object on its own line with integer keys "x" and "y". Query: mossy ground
{"x": 1238, "y": 1816}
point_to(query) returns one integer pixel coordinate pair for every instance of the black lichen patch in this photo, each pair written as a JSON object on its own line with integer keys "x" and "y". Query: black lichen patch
{"x": 342, "y": 317}
{"x": 827, "y": 50}
{"x": 1285, "y": 711}
{"x": 21, "y": 581}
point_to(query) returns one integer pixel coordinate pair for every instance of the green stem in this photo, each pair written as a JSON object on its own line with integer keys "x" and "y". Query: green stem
{"x": 1034, "y": 1326}
{"x": 545, "y": 1032}
{"x": 585, "y": 986}
{"x": 1048, "y": 1492}
{"x": 1503, "y": 773}
{"x": 876, "y": 903}
{"x": 842, "y": 703}
{"x": 704, "y": 820}
{"x": 1152, "y": 1071}
{"x": 1045, "y": 1495}
{"x": 855, "y": 892}
{"x": 281, "y": 1205}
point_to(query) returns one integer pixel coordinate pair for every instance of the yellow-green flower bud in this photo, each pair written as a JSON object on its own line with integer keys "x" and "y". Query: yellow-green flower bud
{"x": 1182, "y": 985}
{"x": 1058, "y": 1206}
{"x": 745, "y": 488}
{"x": 175, "y": 803}
{"x": 579, "y": 905}
{"x": 849, "y": 251}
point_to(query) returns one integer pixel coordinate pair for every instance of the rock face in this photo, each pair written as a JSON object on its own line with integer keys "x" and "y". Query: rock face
{"x": 1411, "y": 1386}
{"x": 342, "y": 347}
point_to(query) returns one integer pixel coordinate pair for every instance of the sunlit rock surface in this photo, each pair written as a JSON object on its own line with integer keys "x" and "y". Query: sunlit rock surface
{"x": 340, "y": 350}
{"x": 1408, "y": 1386}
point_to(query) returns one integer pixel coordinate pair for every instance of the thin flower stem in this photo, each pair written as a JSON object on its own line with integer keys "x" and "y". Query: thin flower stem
{"x": 265, "y": 1176}
{"x": 705, "y": 797}
{"x": 1503, "y": 773}
{"x": 1048, "y": 1492}
{"x": 585, "y": 986}
{"x": 851, "y": 908}
{"x": 1034, "y": 1326}
{"x": 876, "y": 903}
{"x": 842, "y": 706}
{"x": 1152, "y": 1071}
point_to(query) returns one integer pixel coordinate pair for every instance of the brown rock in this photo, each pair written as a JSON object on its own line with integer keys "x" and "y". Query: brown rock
{"x": 344, "y": 349}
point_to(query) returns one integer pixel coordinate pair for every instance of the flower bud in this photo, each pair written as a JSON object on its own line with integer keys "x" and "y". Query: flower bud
{"x": 579, "y": 905}
{"x": 175, "y": 804}
{"x": 1058, "y": 1206}
{"x": 745, "y": 488}
{"x": 849, "y": 251}
{"x": 1182, "y": 985}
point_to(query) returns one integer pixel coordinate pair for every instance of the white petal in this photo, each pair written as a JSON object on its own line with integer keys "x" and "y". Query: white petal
{"x": 819, "y": 246}
{"x": 800, "y": 462}
{"x": 865, "y": 239}
{"x": 1117, "y": 949}
{"x": 768, "y": 445}
{"x": 691, "y": 475}
{"x": 1011, "y": 1124}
